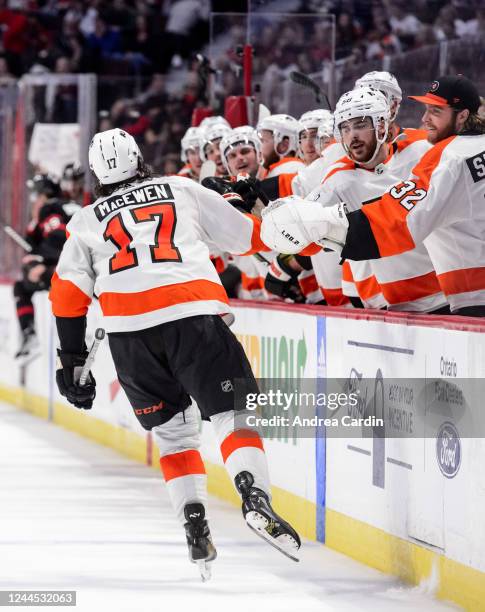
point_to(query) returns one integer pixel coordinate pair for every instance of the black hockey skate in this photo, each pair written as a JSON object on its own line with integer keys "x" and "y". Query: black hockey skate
{"x": 262, "y": 519}
{"x": 199, "y": 541}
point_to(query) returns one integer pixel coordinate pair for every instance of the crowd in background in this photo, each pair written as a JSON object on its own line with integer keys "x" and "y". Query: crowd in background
{"x": 133, "y": 44}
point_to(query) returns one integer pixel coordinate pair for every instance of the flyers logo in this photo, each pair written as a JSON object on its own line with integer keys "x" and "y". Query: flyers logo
{"x": 408, "y": 194}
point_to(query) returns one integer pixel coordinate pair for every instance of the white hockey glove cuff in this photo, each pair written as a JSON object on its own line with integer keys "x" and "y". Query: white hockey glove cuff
{"x": 291, "y": 224}
{"x": 338, "y": 225}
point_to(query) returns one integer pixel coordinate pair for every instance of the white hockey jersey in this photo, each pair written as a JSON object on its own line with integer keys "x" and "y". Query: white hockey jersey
{"x": 441, "y": 204}
{"x": 408, "y": 281}
{"x": 142, "y": 251}
{"x": 309, "y": 177}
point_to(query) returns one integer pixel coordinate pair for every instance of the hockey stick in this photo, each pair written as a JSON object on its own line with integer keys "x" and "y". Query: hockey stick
{"x": 207, "y": 169}
{"x": 98, "y": 337}
{"x": 263, "y": 112}
{"x": 305, "y": 81}
{"x": 16, "y": 237}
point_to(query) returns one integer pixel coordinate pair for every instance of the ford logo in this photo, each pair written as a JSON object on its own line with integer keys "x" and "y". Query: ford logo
{"x": 448, "y": 450}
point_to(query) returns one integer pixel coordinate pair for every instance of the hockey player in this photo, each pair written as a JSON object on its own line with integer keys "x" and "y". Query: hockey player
{"x": 209, "y": 145}
{"x": 439, "y": 204}
{"x": 140, "y": 247}
{"x": 209, "y": 122}
{"x": 407, "y": 282}
{"x": 241, "y": 151}
{"x": 190, "y": 154}
{"x": 72, "y": 183}
{"x": 279, "y": 145}
{"x": 309, "y": 123}
{"x": 46, "y": 233}
{"x": 386, "y": 83}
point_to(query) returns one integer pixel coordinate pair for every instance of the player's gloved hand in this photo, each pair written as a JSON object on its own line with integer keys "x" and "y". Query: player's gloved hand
{"x": 226, "y": 190}
{"x": 250, "y": 190}
{"x": 68, "y": 371}
{"x": 281, "y": 280}
{"x": 290, "y": 224}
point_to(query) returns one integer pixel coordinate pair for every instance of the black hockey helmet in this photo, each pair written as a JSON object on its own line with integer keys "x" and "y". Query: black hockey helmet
{"x": 72, "y": 172}
{"x": 43, "y": 184}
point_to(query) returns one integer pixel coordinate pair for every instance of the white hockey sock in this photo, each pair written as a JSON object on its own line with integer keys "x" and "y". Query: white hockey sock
{"x": 242, "y": 450}
{"x": 180, "y": 461}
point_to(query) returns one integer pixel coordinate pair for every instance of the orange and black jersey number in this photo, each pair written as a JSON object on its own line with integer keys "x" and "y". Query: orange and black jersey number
{"x": 361, "y": 241}
{"x": 162, "y": 250}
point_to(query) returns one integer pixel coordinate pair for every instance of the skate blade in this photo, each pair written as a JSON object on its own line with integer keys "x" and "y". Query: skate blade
{"x": 205, "y": 570}
{"x": 286, "y": 545}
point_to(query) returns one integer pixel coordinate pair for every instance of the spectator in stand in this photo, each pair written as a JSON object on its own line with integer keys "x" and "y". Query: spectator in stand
{"x": 6, "y": 77}
{"x": 444, "y": 26}
{"x": 16, "y": 30}
{"x": 182, "y": 19}
{"x": 105, "y": 41}
{"x": 403, "y": 23}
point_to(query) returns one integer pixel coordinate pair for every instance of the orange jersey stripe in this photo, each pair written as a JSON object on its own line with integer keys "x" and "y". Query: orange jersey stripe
{"x": 387, "y": 217}
{"x": 241, "y": 438}
{"x": 284, "y": 184}
{"x": 412, "y": 136}
{"x": 348, "y": 164}
{"x": 251, "y": 283}
{"x": 67, "y": 299}
{"x": 410, "y": 289}
{"x": 334, "y": 297}
{"x": 308, "y": 284}
{"x": 368, "y": 287}
{"x": 257, "y": 244}
{"x": 219, "y": 264}
{"x": 347, "y": 272}
{"x": 311, "y": 249}
{"x": 181, "y": 464}
{"x": 126, "y": 304}
{"x": 284, "y": 160}
{"x": 461, "y": 281}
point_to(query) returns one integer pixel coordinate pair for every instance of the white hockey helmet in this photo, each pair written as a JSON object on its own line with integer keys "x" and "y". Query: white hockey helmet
{"x": 387, "y": 84}
{"x": 208, "y": 135}
{"x": 208, "y": 122}
{"x": 282, "y": 126}
{"x": 114, "y": 156}
{"x": 244, "y": 134}
{"x": 324, "y": 133}
{"x": 190, "y": 140}
{"x": 363, "y": 102}
{"x": 311, "y": 120}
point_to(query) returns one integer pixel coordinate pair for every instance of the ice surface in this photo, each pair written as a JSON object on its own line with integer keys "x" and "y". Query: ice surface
{"x": 78, "y": 516}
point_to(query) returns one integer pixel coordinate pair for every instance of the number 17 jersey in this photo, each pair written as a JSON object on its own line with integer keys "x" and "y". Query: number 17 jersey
{"x": 142, "y": 251}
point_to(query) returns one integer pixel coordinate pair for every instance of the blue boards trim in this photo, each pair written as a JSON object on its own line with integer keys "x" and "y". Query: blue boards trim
{"x": 320, "y": 433}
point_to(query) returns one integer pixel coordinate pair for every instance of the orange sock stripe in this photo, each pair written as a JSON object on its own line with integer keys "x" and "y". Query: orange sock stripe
{"x": 181, "y": 464}
{"x": 239, "y": 439}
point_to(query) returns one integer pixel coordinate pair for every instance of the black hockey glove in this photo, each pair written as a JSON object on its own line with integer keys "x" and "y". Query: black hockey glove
{"x": 250, "y": 190}
{"x": 281, "y": 280}
{"x": 227, "y": 190}
{"x": 67, "y": 376}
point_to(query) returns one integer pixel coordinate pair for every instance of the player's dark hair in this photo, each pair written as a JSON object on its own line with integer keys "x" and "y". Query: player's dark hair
{"x": 144, "y": 173}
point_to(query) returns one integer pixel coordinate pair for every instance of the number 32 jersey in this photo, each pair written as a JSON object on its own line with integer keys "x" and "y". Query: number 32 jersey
{"x": 142, "y": 251}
